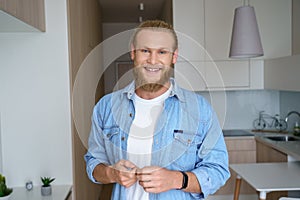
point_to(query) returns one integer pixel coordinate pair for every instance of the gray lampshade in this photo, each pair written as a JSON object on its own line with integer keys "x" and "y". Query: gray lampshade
{"x": 245, "y": 39}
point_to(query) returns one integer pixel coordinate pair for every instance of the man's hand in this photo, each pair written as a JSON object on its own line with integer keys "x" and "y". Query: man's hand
{"x": 156, "y": 179}
{"x": 124, "y": 173}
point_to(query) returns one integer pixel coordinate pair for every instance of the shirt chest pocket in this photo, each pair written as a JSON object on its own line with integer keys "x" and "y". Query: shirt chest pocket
{"x": 185, "y": 148}
{"x": 113, "y": 143}
{"x": 111, "y": 133}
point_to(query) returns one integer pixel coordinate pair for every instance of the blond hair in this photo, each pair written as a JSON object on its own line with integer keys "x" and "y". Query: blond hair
{"x": 155, "y": 25}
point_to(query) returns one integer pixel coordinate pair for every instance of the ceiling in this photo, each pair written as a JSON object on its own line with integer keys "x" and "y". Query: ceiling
{"x": 128, "y": 10}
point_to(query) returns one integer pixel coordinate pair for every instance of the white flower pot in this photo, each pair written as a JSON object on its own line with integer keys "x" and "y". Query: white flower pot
{"x": 46, "y": 191}
{"x": 6, "y": 197}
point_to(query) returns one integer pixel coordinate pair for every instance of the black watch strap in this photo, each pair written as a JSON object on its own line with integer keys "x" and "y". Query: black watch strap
{"x": 185, "y": 181}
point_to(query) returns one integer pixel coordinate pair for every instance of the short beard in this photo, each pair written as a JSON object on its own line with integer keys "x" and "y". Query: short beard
{"x": 141, "y": 82}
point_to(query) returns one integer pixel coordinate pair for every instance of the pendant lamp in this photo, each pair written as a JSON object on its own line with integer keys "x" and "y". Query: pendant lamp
{"x": 245, "y": 38}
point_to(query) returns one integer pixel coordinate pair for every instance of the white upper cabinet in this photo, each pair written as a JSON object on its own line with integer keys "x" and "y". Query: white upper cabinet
{"x": 295, "y": 27}
{"x": 208, "y": 24}
{"x": 191, "y": 75}
{"x": 282, "y": 73}
{"x": 188, "y": 21}
{"x": 273, "y": 18}
{"x": 218, "y": 27}
{"x": 227, "y": 74}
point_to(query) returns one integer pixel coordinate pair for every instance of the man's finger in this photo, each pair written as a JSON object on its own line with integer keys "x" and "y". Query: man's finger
{"x": 129, "y": 165}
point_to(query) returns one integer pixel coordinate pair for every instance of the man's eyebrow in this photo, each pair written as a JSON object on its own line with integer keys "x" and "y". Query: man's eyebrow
{"x": 160, "y": 48}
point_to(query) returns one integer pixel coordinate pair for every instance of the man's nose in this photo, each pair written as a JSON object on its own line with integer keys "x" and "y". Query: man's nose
{"x": 153, "y": 58}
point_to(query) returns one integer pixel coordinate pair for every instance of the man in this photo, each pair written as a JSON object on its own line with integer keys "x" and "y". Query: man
{"x": 153, "y": 139}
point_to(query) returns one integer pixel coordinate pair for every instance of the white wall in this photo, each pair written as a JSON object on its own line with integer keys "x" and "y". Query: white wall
{"x": 35, "y": 102}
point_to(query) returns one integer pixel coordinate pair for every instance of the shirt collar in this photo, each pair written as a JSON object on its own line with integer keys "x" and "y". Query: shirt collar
{"x": 176, "y": 90}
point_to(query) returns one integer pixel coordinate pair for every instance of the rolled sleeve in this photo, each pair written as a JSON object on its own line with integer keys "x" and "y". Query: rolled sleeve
{"x": 212, "y": 172}
{"x": 212, "y": 169}
{"x": 91, "y": 163}
{"x": 204, "y": 182}
{"x": 96, "y": 153}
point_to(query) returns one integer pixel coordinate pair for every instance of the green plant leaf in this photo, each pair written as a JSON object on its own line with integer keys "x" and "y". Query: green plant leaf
{"x": 4, "y": 190}
{"x": 46, "y": 181}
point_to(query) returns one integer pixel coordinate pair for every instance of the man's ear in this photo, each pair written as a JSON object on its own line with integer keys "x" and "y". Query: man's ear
{"x": 175, "y": 56}
{"x": 132, "y": 52}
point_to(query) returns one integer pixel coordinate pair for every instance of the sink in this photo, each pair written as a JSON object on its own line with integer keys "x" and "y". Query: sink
{"x": 284, "y": 138}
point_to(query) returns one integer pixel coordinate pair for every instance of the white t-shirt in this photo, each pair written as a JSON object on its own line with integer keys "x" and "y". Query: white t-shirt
{"x": 140, "y": 139}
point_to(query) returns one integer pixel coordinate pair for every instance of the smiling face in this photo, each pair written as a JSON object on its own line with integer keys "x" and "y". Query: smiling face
{"x": 153, "y": 56}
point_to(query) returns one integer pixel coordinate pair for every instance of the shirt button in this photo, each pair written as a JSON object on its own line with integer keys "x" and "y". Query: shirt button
{"x": 130, "y": 114}
{"x": 123, "y": 138}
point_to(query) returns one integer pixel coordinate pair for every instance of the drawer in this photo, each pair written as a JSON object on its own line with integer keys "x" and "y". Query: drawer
{"x": 240, "y": 144}
{"x": 242, "y": 157}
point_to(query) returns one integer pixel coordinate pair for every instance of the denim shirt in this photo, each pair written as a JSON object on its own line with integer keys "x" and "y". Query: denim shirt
{"x": 187, "y": 138}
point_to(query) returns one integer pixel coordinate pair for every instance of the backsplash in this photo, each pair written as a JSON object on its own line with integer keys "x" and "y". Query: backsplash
{"x": 290, "y": 101}
{"x": 243, "y": 106}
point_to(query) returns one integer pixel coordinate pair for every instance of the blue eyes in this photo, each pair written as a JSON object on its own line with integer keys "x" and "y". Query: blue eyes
{"x": 159, "y": 52}
{"x": 145, "y": 51}
{"x": 163, "y": 52}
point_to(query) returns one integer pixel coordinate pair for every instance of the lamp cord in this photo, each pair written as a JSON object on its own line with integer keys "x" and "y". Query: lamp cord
{"x": 246, "y": 3}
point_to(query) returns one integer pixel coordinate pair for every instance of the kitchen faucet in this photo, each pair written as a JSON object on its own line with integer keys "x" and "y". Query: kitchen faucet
{"x": 292, "y": 112}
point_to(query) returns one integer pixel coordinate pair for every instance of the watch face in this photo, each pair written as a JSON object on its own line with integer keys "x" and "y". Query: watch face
{"x": 29, "y": 185}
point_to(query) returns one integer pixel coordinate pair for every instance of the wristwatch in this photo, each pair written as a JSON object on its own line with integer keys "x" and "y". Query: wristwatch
{"x": 185, "y": 181}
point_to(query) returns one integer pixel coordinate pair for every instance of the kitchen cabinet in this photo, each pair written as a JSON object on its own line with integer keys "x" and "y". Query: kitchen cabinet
{"x": 195, "y": 69}
{"x": 266, "y": 153}
{"x": 32, "y": 12}
{"x": 188, "y": 21}
{"x": 282, "y": 73}
{"x": 218, "y": 27}
{"x": 240, "y": 150}
{"x": 295, "y": 27}
{"x": 191, "y": 75}
{"x": 274, "y": 22}
{"x": 202, "y": 75}
{"x": 227, "y": 74}
{"x": 274, "y": 18}
{"x": 211, "y": 29}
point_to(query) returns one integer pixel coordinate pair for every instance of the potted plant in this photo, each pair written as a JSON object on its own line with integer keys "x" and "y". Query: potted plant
{"x": 5, "y": 192}
{"x": 46, "y": 187}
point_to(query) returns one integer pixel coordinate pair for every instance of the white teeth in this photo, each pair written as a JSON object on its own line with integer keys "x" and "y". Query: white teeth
{"x": 152, "y": 69}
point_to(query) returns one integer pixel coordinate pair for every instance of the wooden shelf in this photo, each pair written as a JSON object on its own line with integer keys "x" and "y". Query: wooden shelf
{"x": 32, "y": 12}
{"x": 59, "y": 192}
